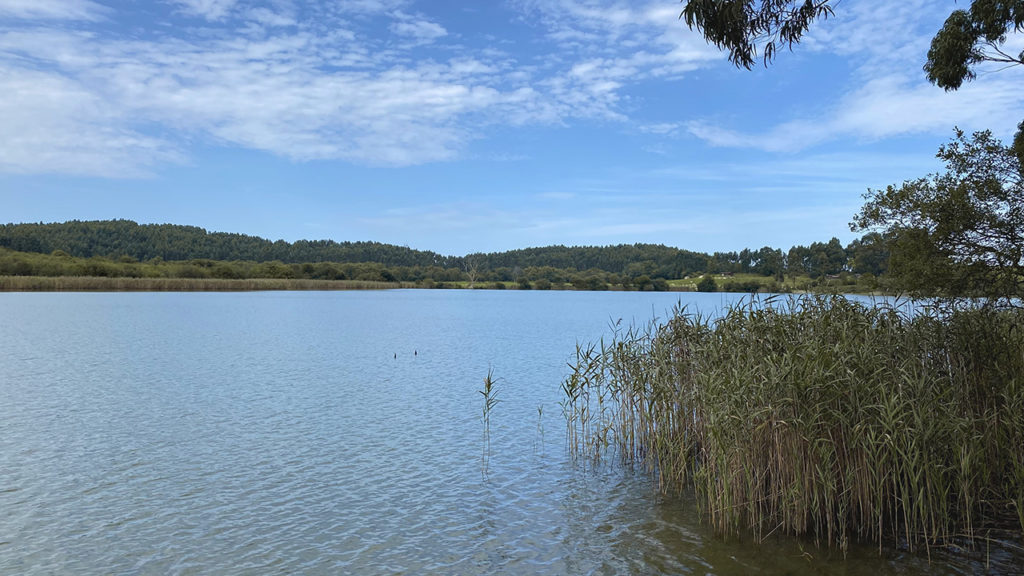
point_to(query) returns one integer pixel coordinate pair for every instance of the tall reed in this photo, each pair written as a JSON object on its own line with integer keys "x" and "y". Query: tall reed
{"x": 818, "y": 416}
{"x": 490, "y": 394}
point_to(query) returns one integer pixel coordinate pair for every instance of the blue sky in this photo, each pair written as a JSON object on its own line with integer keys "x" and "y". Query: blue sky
{"x": 468, "y": 126}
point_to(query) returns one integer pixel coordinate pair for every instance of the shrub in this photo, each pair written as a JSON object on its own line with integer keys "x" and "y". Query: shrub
{"x": 707, "y": 284}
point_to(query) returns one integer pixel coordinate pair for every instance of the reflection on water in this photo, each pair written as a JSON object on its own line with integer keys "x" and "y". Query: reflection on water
{"x": 326, "y": 433}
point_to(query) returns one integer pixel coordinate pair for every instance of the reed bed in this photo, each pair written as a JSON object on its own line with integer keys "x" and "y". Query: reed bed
{"x": 107, "y": 284}
{"x": 819, "y": 416}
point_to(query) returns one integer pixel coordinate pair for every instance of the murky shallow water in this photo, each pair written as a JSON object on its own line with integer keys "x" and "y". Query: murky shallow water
{"x": 334, "y": 433}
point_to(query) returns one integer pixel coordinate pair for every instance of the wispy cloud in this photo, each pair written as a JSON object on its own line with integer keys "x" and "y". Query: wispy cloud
{"x": 51, "y": 124}
{"x": 888, "y": 95}
{"x": 319, "y": 86}
{"x": 107, "y": 94}
{"x": 884, "y": 107}
{"x": 52, "y": 9}
{"x": 270, "y": 18}
{"x": 268, "y": 95}
{"x": 208, "y": 9}
{"x": 613, "y": 42}
{"x": 369, "y": 6}
{"x": 419, "y": 29}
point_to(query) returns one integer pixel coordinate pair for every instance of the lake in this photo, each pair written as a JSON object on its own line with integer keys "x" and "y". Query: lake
{"x": 338, "y": 433}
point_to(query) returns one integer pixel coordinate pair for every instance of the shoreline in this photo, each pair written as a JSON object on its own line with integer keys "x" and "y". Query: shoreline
{"x": 135, "y": 284}
{"x": 106, "y": 284}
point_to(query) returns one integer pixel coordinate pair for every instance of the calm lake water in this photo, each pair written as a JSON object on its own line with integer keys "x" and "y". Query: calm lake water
{"x": 337, "y": 433}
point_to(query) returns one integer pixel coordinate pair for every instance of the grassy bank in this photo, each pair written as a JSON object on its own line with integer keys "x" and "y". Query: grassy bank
{"x": 819, "y": 417}
{"x": 83, "y": 283}
{"x": 105, "y": 284}
{"x": 59, "y": 264}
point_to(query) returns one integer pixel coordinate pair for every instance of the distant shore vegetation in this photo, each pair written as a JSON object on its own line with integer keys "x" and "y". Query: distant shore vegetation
{"x": 124, "y": 255}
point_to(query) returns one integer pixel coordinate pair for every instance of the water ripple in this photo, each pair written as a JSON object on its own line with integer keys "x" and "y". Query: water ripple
{"x": 297, "y": 434}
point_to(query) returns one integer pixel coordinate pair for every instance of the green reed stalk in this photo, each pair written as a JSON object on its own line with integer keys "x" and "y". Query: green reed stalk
{"x": 818, "y": 416}
{"x": 540, "y": 425}
{"x": 490, "y": 394}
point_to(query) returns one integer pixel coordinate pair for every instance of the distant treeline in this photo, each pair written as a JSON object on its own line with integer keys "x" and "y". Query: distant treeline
{"x": 123, "y": 247}
{"x": 116, "y": 238}
{"x": 62, "y": 264}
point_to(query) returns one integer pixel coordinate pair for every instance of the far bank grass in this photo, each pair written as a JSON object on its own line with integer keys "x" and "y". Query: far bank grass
{"x": 12, "y": 283}
{"x": 105, "y": 284}
{"x": 743, "y": 283}
{"x": 60, "y": 266}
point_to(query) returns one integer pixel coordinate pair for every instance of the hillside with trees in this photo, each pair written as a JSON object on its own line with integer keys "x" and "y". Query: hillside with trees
{"x": 116, "y": 238}
{"x": 126, "y": 249}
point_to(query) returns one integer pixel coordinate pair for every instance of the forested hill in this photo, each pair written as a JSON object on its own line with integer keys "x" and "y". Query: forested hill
{"x": 128, "y": 241}
{"x": 655, "y": 260}
{"x": 116, "y": 238}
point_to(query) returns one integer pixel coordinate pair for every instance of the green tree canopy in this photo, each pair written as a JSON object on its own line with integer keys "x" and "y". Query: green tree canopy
{"x": 967, "y": 38}
{"x": 959, "y": 233}
{"x": 739, "y": 25}
{"x": 869, "y": 254}
{"x": 972, "y": 36}
{"x": 707, "y": 284}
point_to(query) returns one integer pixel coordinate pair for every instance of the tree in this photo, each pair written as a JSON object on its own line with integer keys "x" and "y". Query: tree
{"x": 835, "y": 257}
{"x": 707, "y": 284}
{"x": 869, "y": 254}
{"x": 960, "y": 233}
{"x": 472, "y": 267}
{"x": 972, "y": 36}
{"x": 768, "y": 261}
{"x": 798, "y": 260}
{"x": 739, "y": 25}
{"x": 967, "y": 38}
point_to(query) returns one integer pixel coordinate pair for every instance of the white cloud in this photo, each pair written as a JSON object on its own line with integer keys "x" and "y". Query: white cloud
{"x": 573, "y": 21}
{"x": 630, "y": 39}
{"x": 891, "y": 34}
{"x": 889, "y": 96}
{"x": 418, "y": 29}
{"x": 208, "y": 9}
{"x": 51, "y": 124}
{"x": 608, "y": 46}
{"x": 52, "y": 9}
{"x": 661, "y": 128}
{"x": 270, "y": 18}
{"x": 309, "y": 82}
{"x": 369, "y": 6}
{"x": 885, "y": 107}
{"x": 269, "y": 95}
